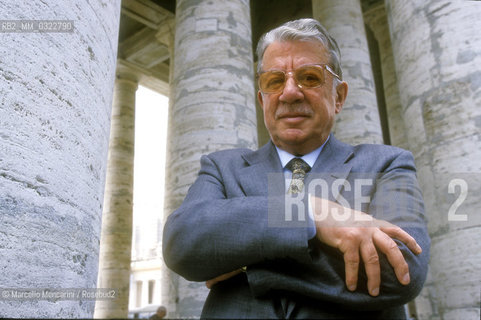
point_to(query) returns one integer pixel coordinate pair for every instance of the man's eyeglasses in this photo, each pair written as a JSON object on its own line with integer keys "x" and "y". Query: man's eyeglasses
{"x": 307, "y": 76}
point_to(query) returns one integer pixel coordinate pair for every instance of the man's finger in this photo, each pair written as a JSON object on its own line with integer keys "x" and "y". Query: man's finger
{"x": 400, "y": 234}
{"x": 387, "y": 246}
{"x": 373, "y": 270}
{"x": 351, "y": 260}
{"x": 210, "y": 283}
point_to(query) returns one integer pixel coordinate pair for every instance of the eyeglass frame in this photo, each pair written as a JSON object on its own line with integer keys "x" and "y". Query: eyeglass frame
{"x": 324, "y": 66}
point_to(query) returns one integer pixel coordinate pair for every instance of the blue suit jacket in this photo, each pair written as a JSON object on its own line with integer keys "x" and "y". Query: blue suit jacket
{"x": 234, "y": 216}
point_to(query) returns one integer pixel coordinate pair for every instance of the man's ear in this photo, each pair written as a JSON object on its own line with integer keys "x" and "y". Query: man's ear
{"x": 341, "y": 95}
{"x": 261, "y": 99}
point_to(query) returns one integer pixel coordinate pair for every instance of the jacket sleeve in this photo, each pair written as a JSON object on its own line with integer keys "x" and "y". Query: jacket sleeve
{"x": 210, "y": 234}
{"x": 396, "y": 198}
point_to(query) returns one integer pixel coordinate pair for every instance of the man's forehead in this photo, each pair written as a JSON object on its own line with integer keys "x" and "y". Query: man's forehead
{"x": 294, "y": 52}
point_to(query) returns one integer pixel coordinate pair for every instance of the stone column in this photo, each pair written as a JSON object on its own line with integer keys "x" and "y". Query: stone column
{"x": 213, "y": 103}
{"x": 359, "y": 120}
{"x": 437, "y": 52}
{"x": 169, "y": 279}
{"x": 376, "y": 19}
{"x": 116, "y": 236}
{"x": 55, "y": 94}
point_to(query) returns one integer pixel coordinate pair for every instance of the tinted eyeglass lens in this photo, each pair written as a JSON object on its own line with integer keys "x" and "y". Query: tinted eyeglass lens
{"x": 272, "y": 81}
{"x": 310, "y": 77}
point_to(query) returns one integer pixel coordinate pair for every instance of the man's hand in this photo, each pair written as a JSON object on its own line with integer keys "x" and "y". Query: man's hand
{"x": 210, "y": 283}
{"x": 357, "y": 235}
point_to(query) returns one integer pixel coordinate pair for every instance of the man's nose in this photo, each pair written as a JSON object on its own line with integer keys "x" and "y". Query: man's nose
{"x": 291, "y": 92}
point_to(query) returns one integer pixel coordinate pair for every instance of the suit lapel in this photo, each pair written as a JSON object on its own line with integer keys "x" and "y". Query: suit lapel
{"x": 263, "y": 175}
{"x": 333, "y": 163}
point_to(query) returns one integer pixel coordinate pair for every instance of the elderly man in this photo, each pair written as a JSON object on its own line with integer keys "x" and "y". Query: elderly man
{"x": 256, "y": 229}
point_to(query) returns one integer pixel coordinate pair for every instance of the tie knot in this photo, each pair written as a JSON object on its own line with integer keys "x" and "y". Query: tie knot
{"x": 298, "y": 165}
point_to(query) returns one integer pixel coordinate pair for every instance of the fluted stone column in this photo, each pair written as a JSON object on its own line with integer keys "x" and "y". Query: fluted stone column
{"x": 117, "y": 218}
{"x": 213, "y": 104}
{"x": 376, "y": 19}
{"x": 437, "y": 51}
{"x": 359, "y": 121}
{"x": 55, "y": 94}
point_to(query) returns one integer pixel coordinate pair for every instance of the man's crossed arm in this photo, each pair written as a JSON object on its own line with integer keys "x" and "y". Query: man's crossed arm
{"x": 358, "y": 239}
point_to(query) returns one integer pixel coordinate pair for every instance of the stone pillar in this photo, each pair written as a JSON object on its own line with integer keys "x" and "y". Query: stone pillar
{"x": 437, "y": 52}
{"x": 55, "y": 94}
{"x": 213, "y": 103}
{"x": 169, "y": 279}
{"x": 116, "y": 236}
{"x": 359, "y": 120}
{"x": 376, "y": 19}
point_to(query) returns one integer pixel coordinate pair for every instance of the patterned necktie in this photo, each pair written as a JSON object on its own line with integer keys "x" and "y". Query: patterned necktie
{"x": 299, "y": 169}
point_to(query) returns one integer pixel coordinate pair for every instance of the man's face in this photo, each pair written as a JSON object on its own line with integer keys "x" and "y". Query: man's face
{"x": 300, "y": 120}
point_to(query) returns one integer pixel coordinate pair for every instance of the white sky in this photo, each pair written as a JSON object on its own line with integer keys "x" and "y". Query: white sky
{"x": 150, "y": 142}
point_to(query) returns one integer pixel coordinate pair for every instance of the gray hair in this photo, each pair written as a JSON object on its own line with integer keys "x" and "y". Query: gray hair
{"x": 302, "y": 30}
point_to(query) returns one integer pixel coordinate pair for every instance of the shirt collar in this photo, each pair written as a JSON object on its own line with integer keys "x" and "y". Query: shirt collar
{"x": 309, "y": 158}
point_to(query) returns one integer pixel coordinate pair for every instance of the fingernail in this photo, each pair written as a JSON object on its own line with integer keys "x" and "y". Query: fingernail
{"x": 406, "y": 278}
{"x": 419, "y": 248}
{"x": 352, "y": 287}
{"x": 375, "y": 292}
